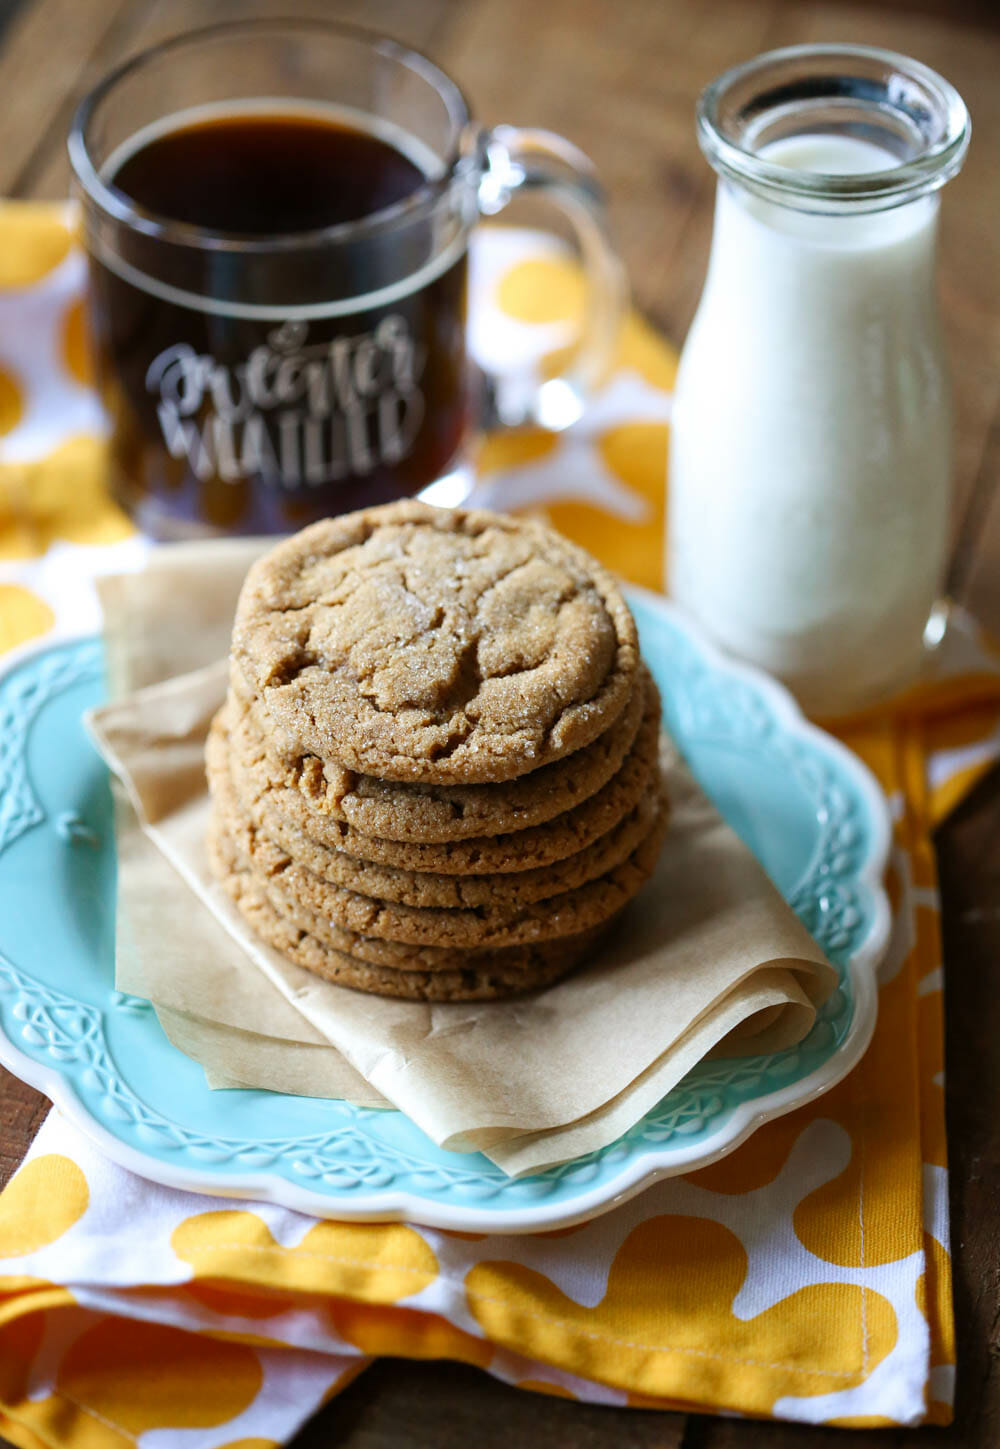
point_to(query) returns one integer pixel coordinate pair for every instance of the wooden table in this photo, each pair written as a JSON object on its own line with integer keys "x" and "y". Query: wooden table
{"x": 620, "y": 77}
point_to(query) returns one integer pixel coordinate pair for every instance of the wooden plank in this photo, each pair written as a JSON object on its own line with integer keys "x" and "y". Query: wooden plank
{"x": 977, "y": 573}
{"x": 969, "y": 864}
{"x": 705, "y": 1433}
{"x": 397, "y": 1404}
{"x": 22, "y": 1111}
{"x": 37, "y": 72}
{"x": 621, "y": 82}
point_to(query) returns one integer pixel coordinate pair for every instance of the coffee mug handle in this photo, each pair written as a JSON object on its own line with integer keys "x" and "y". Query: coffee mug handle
{"x": 525, "y": 162}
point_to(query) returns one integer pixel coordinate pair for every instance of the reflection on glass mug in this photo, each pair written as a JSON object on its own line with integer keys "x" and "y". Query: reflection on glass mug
{"x": 277, "y": 215}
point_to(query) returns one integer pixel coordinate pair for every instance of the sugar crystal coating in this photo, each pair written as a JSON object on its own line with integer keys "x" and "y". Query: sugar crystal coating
{"x": 450, "y": 646}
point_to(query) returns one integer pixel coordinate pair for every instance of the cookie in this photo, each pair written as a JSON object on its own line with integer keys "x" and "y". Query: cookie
{"x": 420, "y": 888}
{"x": 466, "y": 976}
{"x": 429, "y": 814}
{"x": 442, "y": 645}
{"x": 508, "y": 923}
{"x": 372, "y": 950}
{"x": 271, "y": 808}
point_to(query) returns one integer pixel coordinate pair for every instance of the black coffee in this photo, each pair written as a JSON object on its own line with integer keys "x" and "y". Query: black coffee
{"x": 258, "y": 174}
{"x": 253, "y": 388}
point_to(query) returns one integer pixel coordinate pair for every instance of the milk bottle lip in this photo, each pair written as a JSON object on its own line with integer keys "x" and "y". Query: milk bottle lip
{"x": 859, "y": 90}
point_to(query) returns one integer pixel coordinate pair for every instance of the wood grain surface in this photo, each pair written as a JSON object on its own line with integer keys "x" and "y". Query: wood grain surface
{"x": 620, "y": 78}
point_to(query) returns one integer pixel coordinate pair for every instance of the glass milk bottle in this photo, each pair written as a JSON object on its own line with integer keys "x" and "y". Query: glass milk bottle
{"x": 811, "y": 440}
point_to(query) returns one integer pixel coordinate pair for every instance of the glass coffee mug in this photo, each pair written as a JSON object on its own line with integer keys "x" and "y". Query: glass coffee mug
{"x": 277, "y": 215}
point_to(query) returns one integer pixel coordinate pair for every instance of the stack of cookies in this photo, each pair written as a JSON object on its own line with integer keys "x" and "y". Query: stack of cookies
{"x": 436, "y": 773}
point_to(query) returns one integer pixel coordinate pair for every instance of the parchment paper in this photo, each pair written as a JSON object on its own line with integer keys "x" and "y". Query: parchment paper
{"x": 708, "y": 958}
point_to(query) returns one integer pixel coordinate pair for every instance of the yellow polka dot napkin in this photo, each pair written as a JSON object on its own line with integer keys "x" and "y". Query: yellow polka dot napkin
{"x": 805, "y": 1276}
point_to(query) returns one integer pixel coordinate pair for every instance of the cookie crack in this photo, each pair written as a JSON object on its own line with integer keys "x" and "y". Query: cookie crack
{"x": 488, "y": 588}
{"x": 285, "y": 671}
{"x": 444, "y": 749}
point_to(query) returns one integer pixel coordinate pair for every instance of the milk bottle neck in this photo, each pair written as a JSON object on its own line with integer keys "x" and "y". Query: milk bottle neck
{"x": 765, "y": 243}
{"x": 833, "y": 130}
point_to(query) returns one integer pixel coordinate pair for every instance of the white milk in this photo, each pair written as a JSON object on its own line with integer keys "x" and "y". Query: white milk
{"x": 811, "y": 442}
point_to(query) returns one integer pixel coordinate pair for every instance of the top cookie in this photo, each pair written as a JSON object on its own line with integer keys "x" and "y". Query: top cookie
{"x": 449, "y": 646}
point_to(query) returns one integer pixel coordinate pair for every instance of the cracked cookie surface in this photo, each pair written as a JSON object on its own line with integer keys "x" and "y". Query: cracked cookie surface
{"x": 444, "y": 646}
{"x": 305, "y": 787}
{"x": 541, "y": 845}
{"x": 512, "y": 849}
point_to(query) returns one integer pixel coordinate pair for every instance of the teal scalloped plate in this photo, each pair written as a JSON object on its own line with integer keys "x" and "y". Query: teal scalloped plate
{"x": 808, "y": 809}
